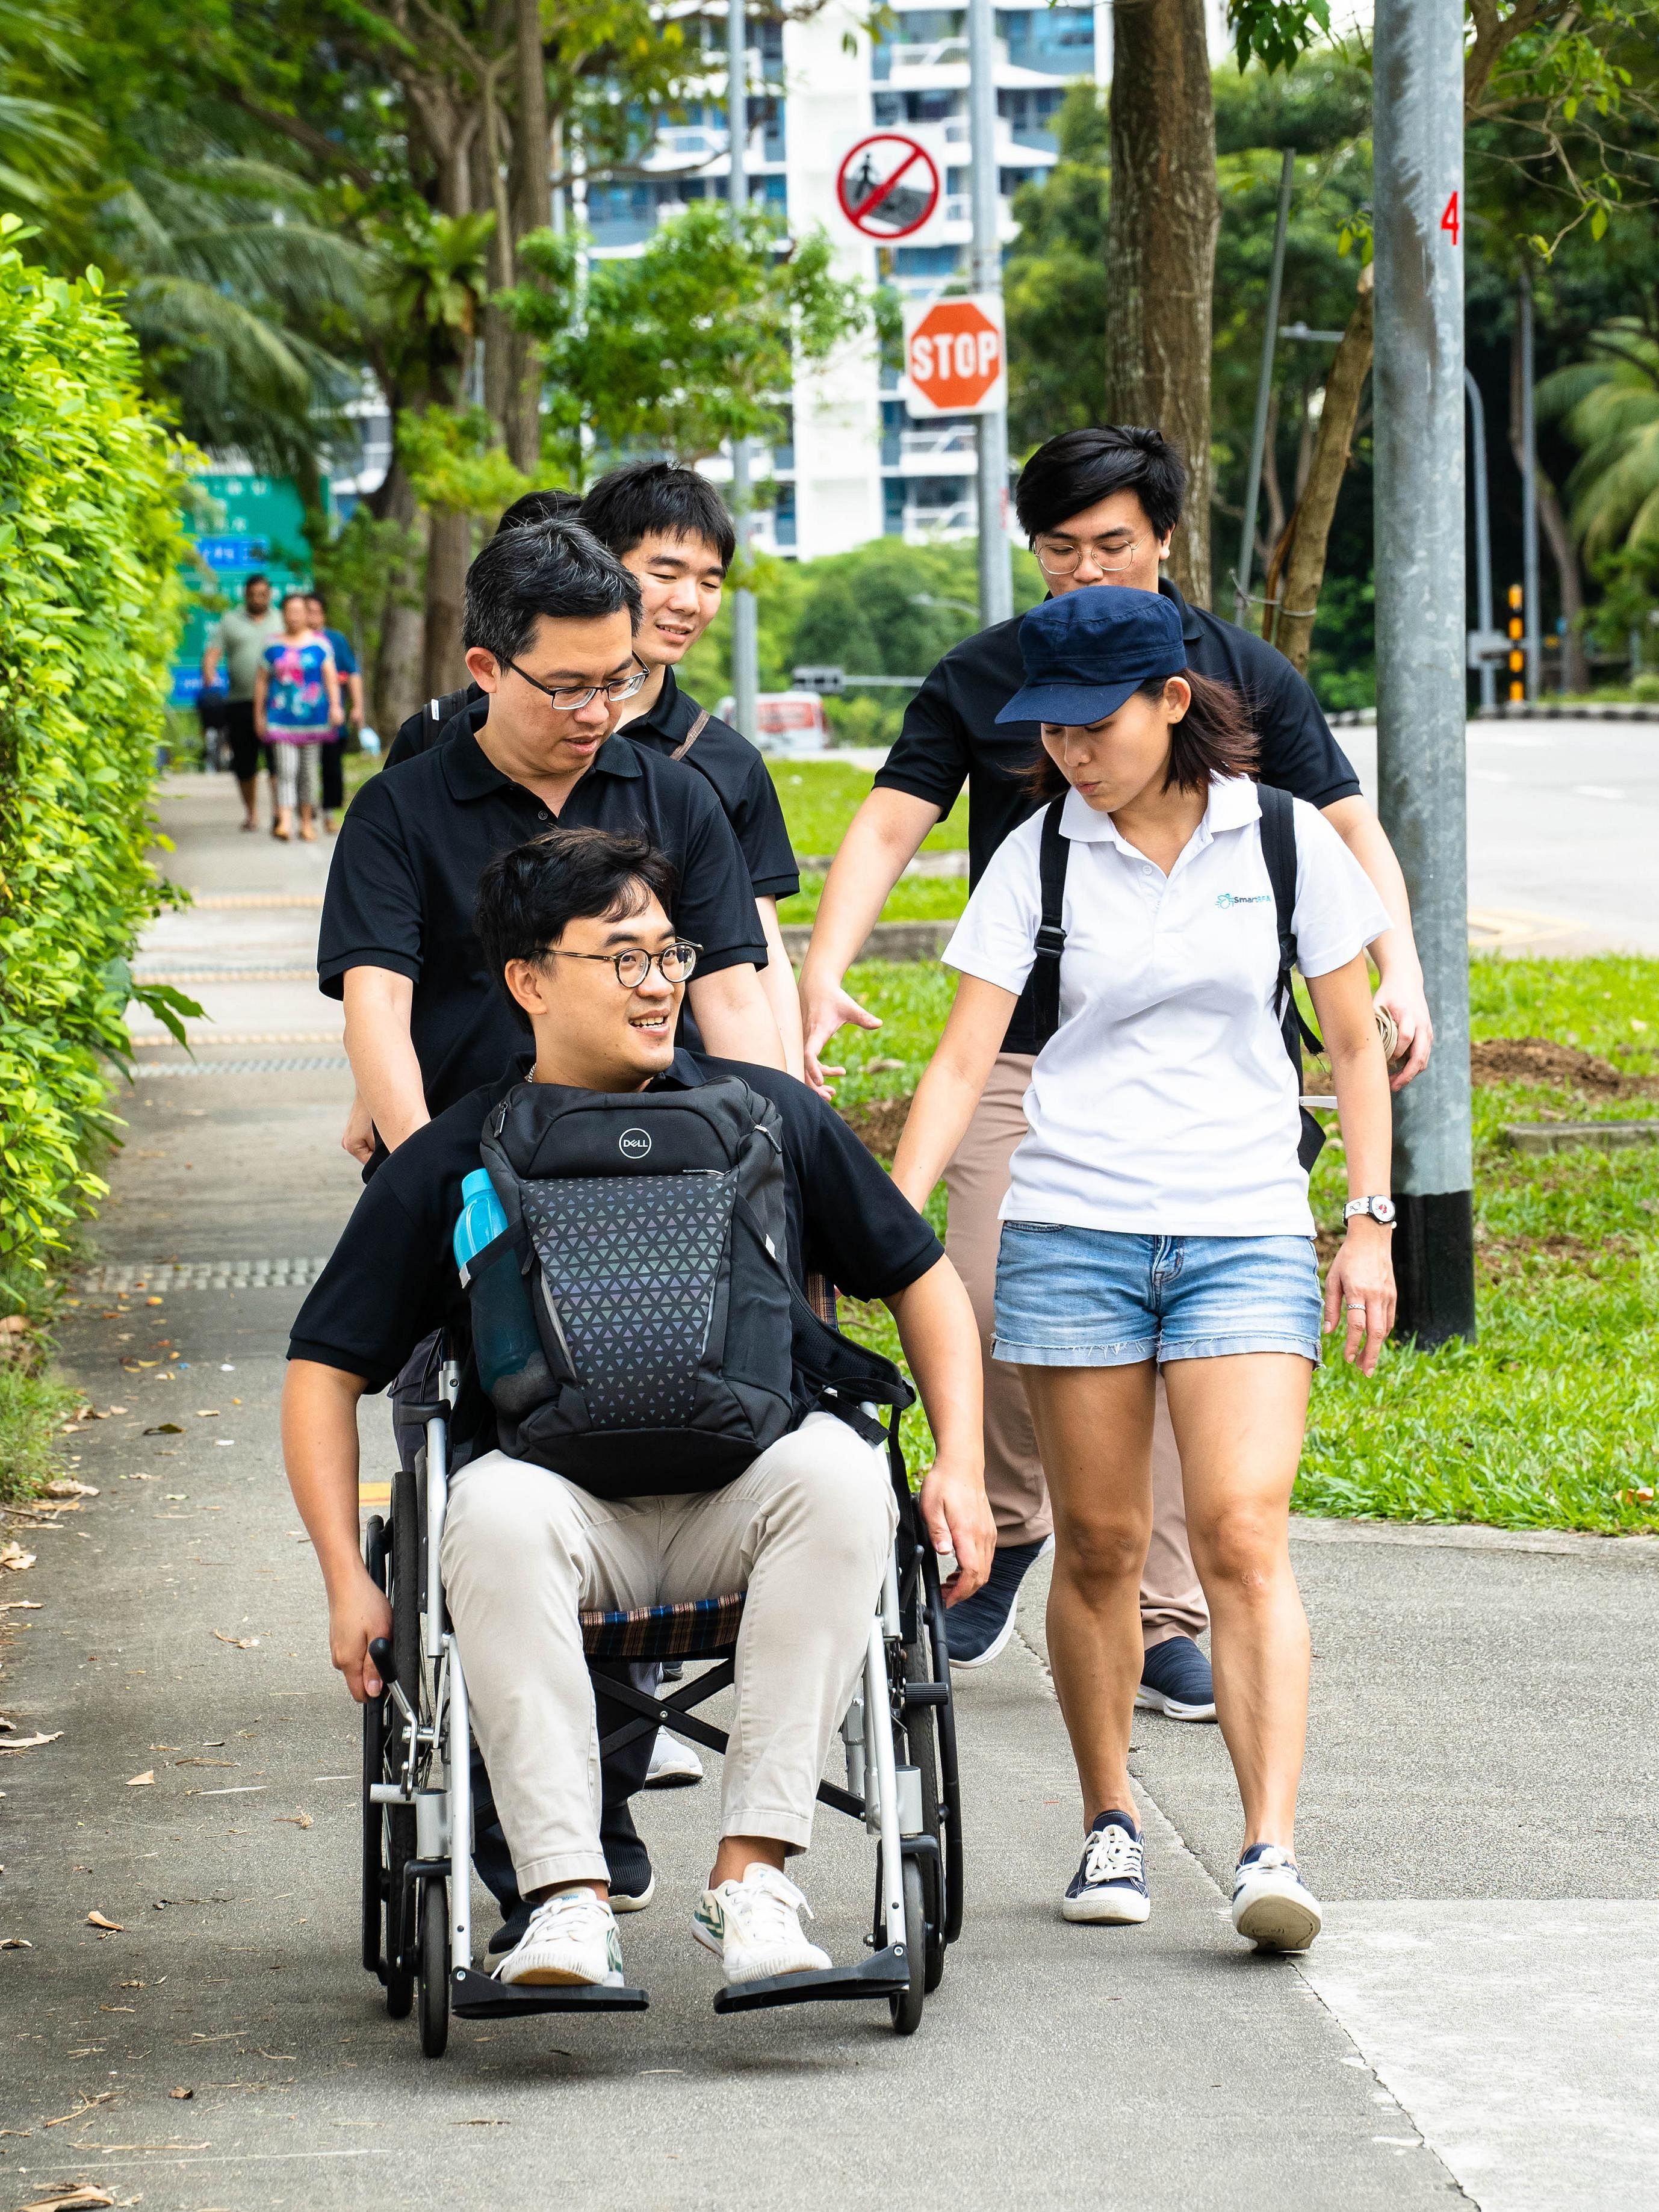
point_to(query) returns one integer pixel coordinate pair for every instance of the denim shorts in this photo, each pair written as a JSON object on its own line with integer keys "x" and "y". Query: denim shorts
{"x": 1103, "y": 1297}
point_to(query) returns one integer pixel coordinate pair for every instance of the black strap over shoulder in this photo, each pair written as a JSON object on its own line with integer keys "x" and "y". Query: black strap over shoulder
{"x": 1051, "y": 856}
{"x": 438, "y": 711}
{"x": 1279, "y": 851}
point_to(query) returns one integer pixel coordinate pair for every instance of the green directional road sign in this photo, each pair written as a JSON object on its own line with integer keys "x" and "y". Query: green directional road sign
{"x": 243, "y": 523}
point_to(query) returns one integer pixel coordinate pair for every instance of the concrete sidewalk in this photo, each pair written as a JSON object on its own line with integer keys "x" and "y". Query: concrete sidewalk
{"x": 1479, "y": 1813}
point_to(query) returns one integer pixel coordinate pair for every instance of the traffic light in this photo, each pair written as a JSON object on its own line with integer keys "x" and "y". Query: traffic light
{"x": 1517, "y": 632}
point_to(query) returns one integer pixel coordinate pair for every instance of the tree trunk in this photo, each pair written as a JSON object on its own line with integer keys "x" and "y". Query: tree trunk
{"x": 533, "y": 210}
{"x": 448, "y": 551}
{"x": 395, "y": 688}
{"x": 1160, "y": 249}
{"x": 1304, "y": 568}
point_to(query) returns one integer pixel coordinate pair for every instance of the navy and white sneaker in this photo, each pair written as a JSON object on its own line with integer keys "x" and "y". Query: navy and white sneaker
{"x": 1175, "y": 1680}
{"x": 979, "y": 1629}
{"x": 1110, "y": 1885}
{"x": 1272, "y": 1907}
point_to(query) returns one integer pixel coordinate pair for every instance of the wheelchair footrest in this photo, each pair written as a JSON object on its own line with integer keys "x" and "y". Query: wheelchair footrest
{"x": 473, "y": 1996}
{"x": 884, "y": 1974}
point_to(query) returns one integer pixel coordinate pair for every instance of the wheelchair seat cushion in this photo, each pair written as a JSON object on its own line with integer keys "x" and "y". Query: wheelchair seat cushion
{"x": 697, "y": 1628}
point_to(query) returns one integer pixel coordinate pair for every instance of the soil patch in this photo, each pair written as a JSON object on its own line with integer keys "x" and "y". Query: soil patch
{"x": 1535, "y": 1060}
{"x": 878, "y": 1123}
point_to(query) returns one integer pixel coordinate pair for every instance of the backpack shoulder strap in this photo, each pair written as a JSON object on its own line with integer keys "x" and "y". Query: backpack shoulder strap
{"x": 1279, "y": 851}
{"x": 438, "y": 711}
{"x": 691, "y": 737}
{"x": 1053, "y": 854}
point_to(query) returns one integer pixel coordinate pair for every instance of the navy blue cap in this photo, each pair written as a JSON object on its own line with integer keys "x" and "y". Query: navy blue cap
{"x": 1087, "y": 650}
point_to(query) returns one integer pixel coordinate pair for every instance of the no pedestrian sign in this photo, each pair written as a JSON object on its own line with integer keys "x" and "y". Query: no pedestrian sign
{"x": 887, "y": 186}
{"x": 954, "y": 356}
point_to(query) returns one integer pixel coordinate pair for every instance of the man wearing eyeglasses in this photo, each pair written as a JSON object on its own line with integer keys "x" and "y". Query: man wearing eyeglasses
{"x": 551, "y": 619}
{"x": 1098, "y": 507}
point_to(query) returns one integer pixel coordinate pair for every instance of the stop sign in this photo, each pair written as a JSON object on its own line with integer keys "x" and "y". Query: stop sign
{"x": 953, "y": 356}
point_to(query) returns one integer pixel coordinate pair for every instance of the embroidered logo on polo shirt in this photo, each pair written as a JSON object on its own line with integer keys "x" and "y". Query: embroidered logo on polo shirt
{"x": 1243, "y": 898}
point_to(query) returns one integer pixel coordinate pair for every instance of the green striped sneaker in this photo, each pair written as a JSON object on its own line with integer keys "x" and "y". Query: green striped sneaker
{"x": 753, "y": 1927}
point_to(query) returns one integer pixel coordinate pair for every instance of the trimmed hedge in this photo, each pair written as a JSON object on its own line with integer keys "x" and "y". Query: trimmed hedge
{"x": 90, "y": 540}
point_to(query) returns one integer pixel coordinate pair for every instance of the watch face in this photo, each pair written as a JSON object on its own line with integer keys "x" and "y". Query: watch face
{"x": 1382, "y": 1209}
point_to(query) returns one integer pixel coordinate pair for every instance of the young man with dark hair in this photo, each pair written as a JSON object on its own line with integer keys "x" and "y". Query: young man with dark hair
{"x": 1097, "y": 507}
{"x": 239, "y": 640}
{"x": 669, "y": 528}
{"x": 549, "y": 624}
{"x": 577, "y": 927}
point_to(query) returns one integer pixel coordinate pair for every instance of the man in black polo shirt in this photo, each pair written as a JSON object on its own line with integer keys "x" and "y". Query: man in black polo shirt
{"x": 1098, "y": 507}
{"x": 669, "y": 528}
{"x": 807, "y": 1528}
{"x": 549, "y": 626}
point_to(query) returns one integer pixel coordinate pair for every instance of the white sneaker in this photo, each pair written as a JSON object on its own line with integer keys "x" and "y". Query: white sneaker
{"x": 1273, "y": 1906}
{"x": 674, "y": 1764}
{"x": 753, "y": 1927}
{"x": 572, "y": 1937}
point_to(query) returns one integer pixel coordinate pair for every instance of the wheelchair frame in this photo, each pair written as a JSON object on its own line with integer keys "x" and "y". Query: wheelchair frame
{"x": 899, "y": 1737}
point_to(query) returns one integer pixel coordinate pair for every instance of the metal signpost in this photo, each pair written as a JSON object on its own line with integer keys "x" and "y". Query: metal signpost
{"x": 746, "y": 635}
{"x": 996, "y": 581}
{"x": 1418, "y": 75}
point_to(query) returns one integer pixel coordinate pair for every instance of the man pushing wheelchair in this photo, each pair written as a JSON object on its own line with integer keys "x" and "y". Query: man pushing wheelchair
{"x": 649, "y": 1414}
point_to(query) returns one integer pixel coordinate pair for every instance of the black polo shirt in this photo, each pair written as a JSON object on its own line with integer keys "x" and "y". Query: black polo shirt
{"x": 392, "y": 1281}
{"x": 950, "y": 736}
{"x": 411, "y": 849}
{"x": 736, "y": 774}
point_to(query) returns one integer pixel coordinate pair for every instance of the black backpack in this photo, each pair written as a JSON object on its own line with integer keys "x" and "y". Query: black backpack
{"x": 649, "y": 1229}
{"x": 1277, "y": 850}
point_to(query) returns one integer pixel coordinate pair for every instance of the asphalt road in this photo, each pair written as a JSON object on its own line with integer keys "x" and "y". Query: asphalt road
{"x": 1479, "y": 1815}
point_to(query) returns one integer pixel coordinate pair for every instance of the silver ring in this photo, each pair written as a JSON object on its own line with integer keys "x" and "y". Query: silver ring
{"x": 1355, "y": 1305}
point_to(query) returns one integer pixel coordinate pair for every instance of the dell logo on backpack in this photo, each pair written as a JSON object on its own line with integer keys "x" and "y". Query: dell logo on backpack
{"x": 634, "y": 1144}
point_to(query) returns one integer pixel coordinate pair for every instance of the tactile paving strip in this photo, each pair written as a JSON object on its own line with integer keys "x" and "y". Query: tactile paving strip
{"x": 147, "y": 1073}
{"x": 115, "y": 1277}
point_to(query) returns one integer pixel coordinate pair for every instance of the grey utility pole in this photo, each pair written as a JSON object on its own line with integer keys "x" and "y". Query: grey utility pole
{"x": 1488, "y": 671}
{"x": 1529, "y": 485}
{"x": 996, "y": 582}
{"x": 1263, "y": 396}
{"x": 1418, "y": 384}
{"x": 745, "y": 636}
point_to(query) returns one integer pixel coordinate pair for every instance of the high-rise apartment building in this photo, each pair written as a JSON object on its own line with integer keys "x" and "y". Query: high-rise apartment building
{"x": 853, "y": 465}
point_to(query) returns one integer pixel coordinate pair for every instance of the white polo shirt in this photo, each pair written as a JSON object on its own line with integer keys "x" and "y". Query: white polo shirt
{"x": 1165, "y": 1103}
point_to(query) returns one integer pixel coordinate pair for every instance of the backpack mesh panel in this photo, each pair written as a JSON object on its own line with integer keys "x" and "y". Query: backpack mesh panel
{"x": 632, "y": 1263}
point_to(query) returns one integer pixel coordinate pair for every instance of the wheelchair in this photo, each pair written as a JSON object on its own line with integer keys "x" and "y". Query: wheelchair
{"x": 898, "y": 1736}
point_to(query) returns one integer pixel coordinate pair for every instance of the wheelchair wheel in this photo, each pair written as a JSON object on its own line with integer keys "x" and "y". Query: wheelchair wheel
{"x": 907, "y": 2009}
{"x": 405, "y": 1595}
{"x": 373, "y": 1866}
{"x": 949, "y": 1780}
{"x": 434, "y": 1968}
{"x": 919, "y": 1735}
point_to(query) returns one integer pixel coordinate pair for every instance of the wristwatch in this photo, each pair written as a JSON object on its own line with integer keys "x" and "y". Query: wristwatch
{"x": 1380, "y": 1209}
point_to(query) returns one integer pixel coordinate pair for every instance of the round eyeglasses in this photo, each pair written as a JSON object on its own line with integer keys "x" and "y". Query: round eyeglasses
{"x": 619, "y": 688}
{"x": 674, "y": 962}
{"x": 1057, "y": 558}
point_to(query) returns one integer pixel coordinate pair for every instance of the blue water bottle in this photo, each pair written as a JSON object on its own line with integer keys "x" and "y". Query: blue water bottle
{"x": 512, "y": 1367}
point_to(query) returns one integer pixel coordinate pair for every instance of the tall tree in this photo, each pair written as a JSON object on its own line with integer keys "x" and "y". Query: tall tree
{"x": 1160, "y": 249}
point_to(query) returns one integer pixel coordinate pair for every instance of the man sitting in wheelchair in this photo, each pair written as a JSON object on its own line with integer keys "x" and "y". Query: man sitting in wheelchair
{"x": 597, "y": 1461}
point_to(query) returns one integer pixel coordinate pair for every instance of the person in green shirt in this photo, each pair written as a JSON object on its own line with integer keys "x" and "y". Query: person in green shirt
{"x": 238, "y": 641}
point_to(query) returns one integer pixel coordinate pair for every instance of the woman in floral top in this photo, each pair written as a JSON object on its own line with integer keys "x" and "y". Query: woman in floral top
{"x": 296, "y": 704}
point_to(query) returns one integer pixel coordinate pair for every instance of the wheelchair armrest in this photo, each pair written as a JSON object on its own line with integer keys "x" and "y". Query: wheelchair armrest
{"x": 440, "y": 1411}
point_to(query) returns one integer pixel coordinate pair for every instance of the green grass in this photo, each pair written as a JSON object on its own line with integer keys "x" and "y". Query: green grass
{"x": 31, "y": 1406}
{"x": 821, "y": 797}
{"x": 914, "y": 898}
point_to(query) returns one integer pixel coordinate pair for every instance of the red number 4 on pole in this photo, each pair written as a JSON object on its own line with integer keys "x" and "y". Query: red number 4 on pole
{"x": 1449, "y": 220}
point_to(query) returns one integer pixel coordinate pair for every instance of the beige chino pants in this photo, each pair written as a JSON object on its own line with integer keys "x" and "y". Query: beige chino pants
{"x": 806, "y": 1531}
{"x": 976, "y": 1180}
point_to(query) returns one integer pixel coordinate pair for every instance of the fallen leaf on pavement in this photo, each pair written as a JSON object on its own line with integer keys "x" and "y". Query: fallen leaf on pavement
{"x": 207, "y": 1413}
{"x": 95, "y": 1919}
{"x": 118, "y": 1409}
{"x": 242, "y": 1643}
{"x": 143, "y": 1781}
{"x": 164, "y": 1429}
{"x": 65, "y": 1486}
{"x": 181, "y": 2095}
{"x": 21, "y": 1605}
{"x": 298, "y": 1820}
{"x": 15, "y": 1943}
{"x": 30, "y": 1742}
{"x": 70, "y": 2200}
{"x": 13, "y": 1555}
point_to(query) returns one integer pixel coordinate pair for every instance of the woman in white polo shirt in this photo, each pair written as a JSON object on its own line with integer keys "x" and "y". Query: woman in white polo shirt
{"x": 1158, "y": 1211}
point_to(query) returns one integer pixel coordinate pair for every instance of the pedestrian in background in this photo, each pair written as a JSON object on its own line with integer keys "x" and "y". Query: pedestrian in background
{"x": 351, "y": 687}
{"x": 1157, "y": 1216}
{"x": 297, "y": 709}
{"x": 237, "y": 643}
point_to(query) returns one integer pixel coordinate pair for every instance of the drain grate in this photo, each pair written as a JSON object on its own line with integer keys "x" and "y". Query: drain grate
{"x": 113, "y": 1277}
{"x": 301, "y": 1066}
